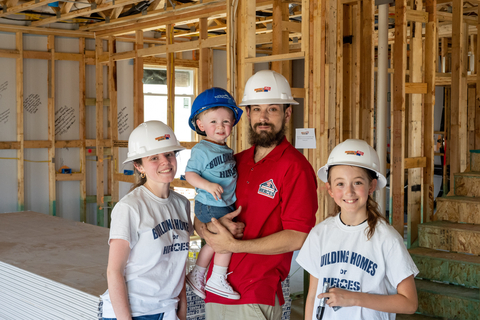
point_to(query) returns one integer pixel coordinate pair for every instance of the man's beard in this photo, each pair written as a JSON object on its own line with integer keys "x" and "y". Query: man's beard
{"x": 265, "y": 139}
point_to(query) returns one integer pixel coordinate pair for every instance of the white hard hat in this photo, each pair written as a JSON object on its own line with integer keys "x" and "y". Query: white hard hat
{"x": 354, "y": 152}
{"x": 267, "y": 87}
{"x": 149, "y": 138}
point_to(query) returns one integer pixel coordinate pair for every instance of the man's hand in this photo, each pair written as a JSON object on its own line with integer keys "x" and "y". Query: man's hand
{"x": 222, "y": 241}
{"x": 235, "y": 228}
{"x": 215, "y": 190}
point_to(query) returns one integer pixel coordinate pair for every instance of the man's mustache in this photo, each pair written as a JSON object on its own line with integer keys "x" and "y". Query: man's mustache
{"x": 255, "y": 126}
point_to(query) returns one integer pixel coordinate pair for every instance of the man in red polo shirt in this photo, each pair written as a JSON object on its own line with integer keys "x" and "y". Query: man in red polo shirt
{"x": 276, "y": 190}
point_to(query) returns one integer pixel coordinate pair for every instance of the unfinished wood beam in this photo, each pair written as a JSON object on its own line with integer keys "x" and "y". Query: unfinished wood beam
{"x": 431, "y": 45}
{"x": 138, "y": 83}
{"x": 203, "y": 67}
{"x": 24, "y": 6}
{"x": 397, "y": 177}
{"x": 415, "y": 141}
{"x": 347, "y": 75}
{"x": 82, "y": 129}
{"x": 99, "y": 133}
{"x": 51, "y": 126}
{"x": 112, "y": 93}
{"x": 83, "y": 12}
{"x": 458, "y": 142}
{"x": 246, "y": 31}
{"x": 170, "y": 80}
{"x": 20, "y": 130}
{"x": 367, "y": 71}
{"x": 477, "y": 88}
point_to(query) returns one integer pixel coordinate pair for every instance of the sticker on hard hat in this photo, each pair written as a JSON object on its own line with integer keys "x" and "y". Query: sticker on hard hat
{"x": 355, "y": 153}
{"x": 222, "y": 96}
{"x": 165, "y": 137}
{"x": 268, "y": 189}
{"x": 264, "y": 89}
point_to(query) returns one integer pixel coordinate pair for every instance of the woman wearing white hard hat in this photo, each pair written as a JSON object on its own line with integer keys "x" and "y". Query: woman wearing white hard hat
{"x": 355, "y": 251}
{"x": 149, "y": 234}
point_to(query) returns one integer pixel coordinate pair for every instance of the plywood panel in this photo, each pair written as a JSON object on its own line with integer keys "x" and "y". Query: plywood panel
{"x": 441, "y": 235}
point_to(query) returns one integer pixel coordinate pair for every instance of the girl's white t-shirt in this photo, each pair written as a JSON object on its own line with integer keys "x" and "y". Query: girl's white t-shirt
{"x": 158, "y": 231}
{"x": 344, "y": 257}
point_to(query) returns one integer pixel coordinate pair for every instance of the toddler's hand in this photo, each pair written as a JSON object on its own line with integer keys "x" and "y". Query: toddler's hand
{"x": 215, "y": 189}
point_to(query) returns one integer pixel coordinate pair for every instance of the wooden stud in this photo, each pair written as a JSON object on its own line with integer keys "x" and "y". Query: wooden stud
{"x": 458, "y": 145}
{"x": 20, "y": 132}
{"x": 170, "y": 80}
{"x": 397, "y": 176}
{"x": 51, "y": 126}
{"x": 203, "y": 67}
{"x": 112, "y": 93}
{"x": 339, "y": 80}
{"x": 246, "y": 32}
{"x": 356, "y": 72}
{"x": 24, "y": 6}
{"x": 415, "y": 130}
{"x": 470, "y": 121}
{"x": 477, "y": 87}
{"x": 431, "y": 45}
{"x": 82, "y": 131}
{"x": 347, "y": 79}
{"x": 99, "y": 133}
{"x": 367, "y": 71}
{"x": 138, "y": 107}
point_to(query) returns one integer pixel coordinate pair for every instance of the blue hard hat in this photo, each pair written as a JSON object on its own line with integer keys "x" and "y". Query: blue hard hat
{"x": 213, "y": 97}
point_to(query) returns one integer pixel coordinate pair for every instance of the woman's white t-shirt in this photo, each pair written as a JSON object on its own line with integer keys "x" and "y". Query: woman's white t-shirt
{"x": 158, "y": 231}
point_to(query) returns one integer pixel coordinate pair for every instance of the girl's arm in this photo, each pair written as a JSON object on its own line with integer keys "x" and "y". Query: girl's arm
{"x": 405, "y": 301}
{"x": 310, "y": 302}
{"x": 182, "y": 304}
{"x": 117, "y": 288}
{"x": 198, "y": 182}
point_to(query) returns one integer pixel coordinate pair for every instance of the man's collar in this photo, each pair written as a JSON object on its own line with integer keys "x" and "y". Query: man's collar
{"x": 274, "y": 155}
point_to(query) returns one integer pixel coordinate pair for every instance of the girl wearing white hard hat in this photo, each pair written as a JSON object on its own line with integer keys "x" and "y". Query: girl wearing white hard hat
{"x": 355, "y": 252}
{"x": 149, "y": 234}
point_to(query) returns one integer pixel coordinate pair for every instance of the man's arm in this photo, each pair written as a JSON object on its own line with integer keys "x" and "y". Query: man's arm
{"x": 235, "y": 228}
{"x": 276, "y": 243}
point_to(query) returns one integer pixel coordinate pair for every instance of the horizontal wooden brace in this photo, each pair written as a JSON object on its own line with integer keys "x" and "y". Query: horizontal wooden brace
{"x": 9, "y": 145}
{"x": 69, "y": 144}
{"x": 180, "y": 184}
{"x": 14, "y": 54}
{"x": 277, "y": 57}
{"x": 124, "y": 178}
{"x": 412, "y": 163}
{"x": 93, "y": 199}
{"x": 413, "y": 15}
{"x": 188, "y": 145}
{"x": 445, "y": 79}
{"x": 291, "y": 26}
{"x": 93, "y": 143}
{"x": 69, "y": 176}
{"x": 93, "y": 102}
{"x": 298, "y": 92}
{"x": 35, "y": 144}
{"x": 184, "y": 63}
{"x": 411, "y": 87}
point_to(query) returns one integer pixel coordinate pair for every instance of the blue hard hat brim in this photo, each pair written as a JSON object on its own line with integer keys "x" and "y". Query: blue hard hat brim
{"x": 237, "y": 112}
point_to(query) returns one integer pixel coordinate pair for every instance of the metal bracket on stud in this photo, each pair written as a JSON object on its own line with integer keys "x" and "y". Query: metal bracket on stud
{"x": 144, "y": 12}
{"x": 107, "y": 19}
{"x": 53, "y": 160}
{"x": 113, "y": 2}
{"x": 59, "y": 14}
{"x": 4, "y": 8}
{"x": 295, "y": 39}
{"x": 93, "y": 5}
{"x": 173, "y": 4}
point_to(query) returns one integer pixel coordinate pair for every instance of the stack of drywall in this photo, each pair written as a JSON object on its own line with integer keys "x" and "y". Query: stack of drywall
{"x": 25, "y": 295}
{"x": 50, "y": 268}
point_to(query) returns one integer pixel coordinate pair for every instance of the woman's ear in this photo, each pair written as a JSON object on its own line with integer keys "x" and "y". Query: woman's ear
{"x": 373, "y": 186}
{"x": 137, "y": 166}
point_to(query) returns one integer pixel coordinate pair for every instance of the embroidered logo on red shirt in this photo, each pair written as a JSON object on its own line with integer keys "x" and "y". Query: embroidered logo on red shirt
{"x": 268, "y": 189}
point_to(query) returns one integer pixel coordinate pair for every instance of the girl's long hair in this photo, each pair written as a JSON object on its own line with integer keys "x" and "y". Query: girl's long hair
{"x": 373, "y": 210}
{"x": 139, "y": 181}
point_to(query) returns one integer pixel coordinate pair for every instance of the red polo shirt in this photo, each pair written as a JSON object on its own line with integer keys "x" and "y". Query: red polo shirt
{"x": 277, "y": 193}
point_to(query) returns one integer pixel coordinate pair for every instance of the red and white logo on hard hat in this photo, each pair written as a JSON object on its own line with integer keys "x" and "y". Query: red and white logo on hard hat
{"x": 164, "y": 137}
{"x": 355, "y": 153}
{"x": 264, "y": 89}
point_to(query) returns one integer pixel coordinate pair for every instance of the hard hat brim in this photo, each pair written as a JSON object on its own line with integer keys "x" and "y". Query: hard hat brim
{"x": 322, "y": 173}
{"x": 267, "y": 101}
{"x": 154, "y": 151}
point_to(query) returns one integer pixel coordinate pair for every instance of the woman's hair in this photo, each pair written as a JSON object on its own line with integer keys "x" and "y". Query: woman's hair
{"x": 373, "y": 210}
{"x": 139, "y": 181}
